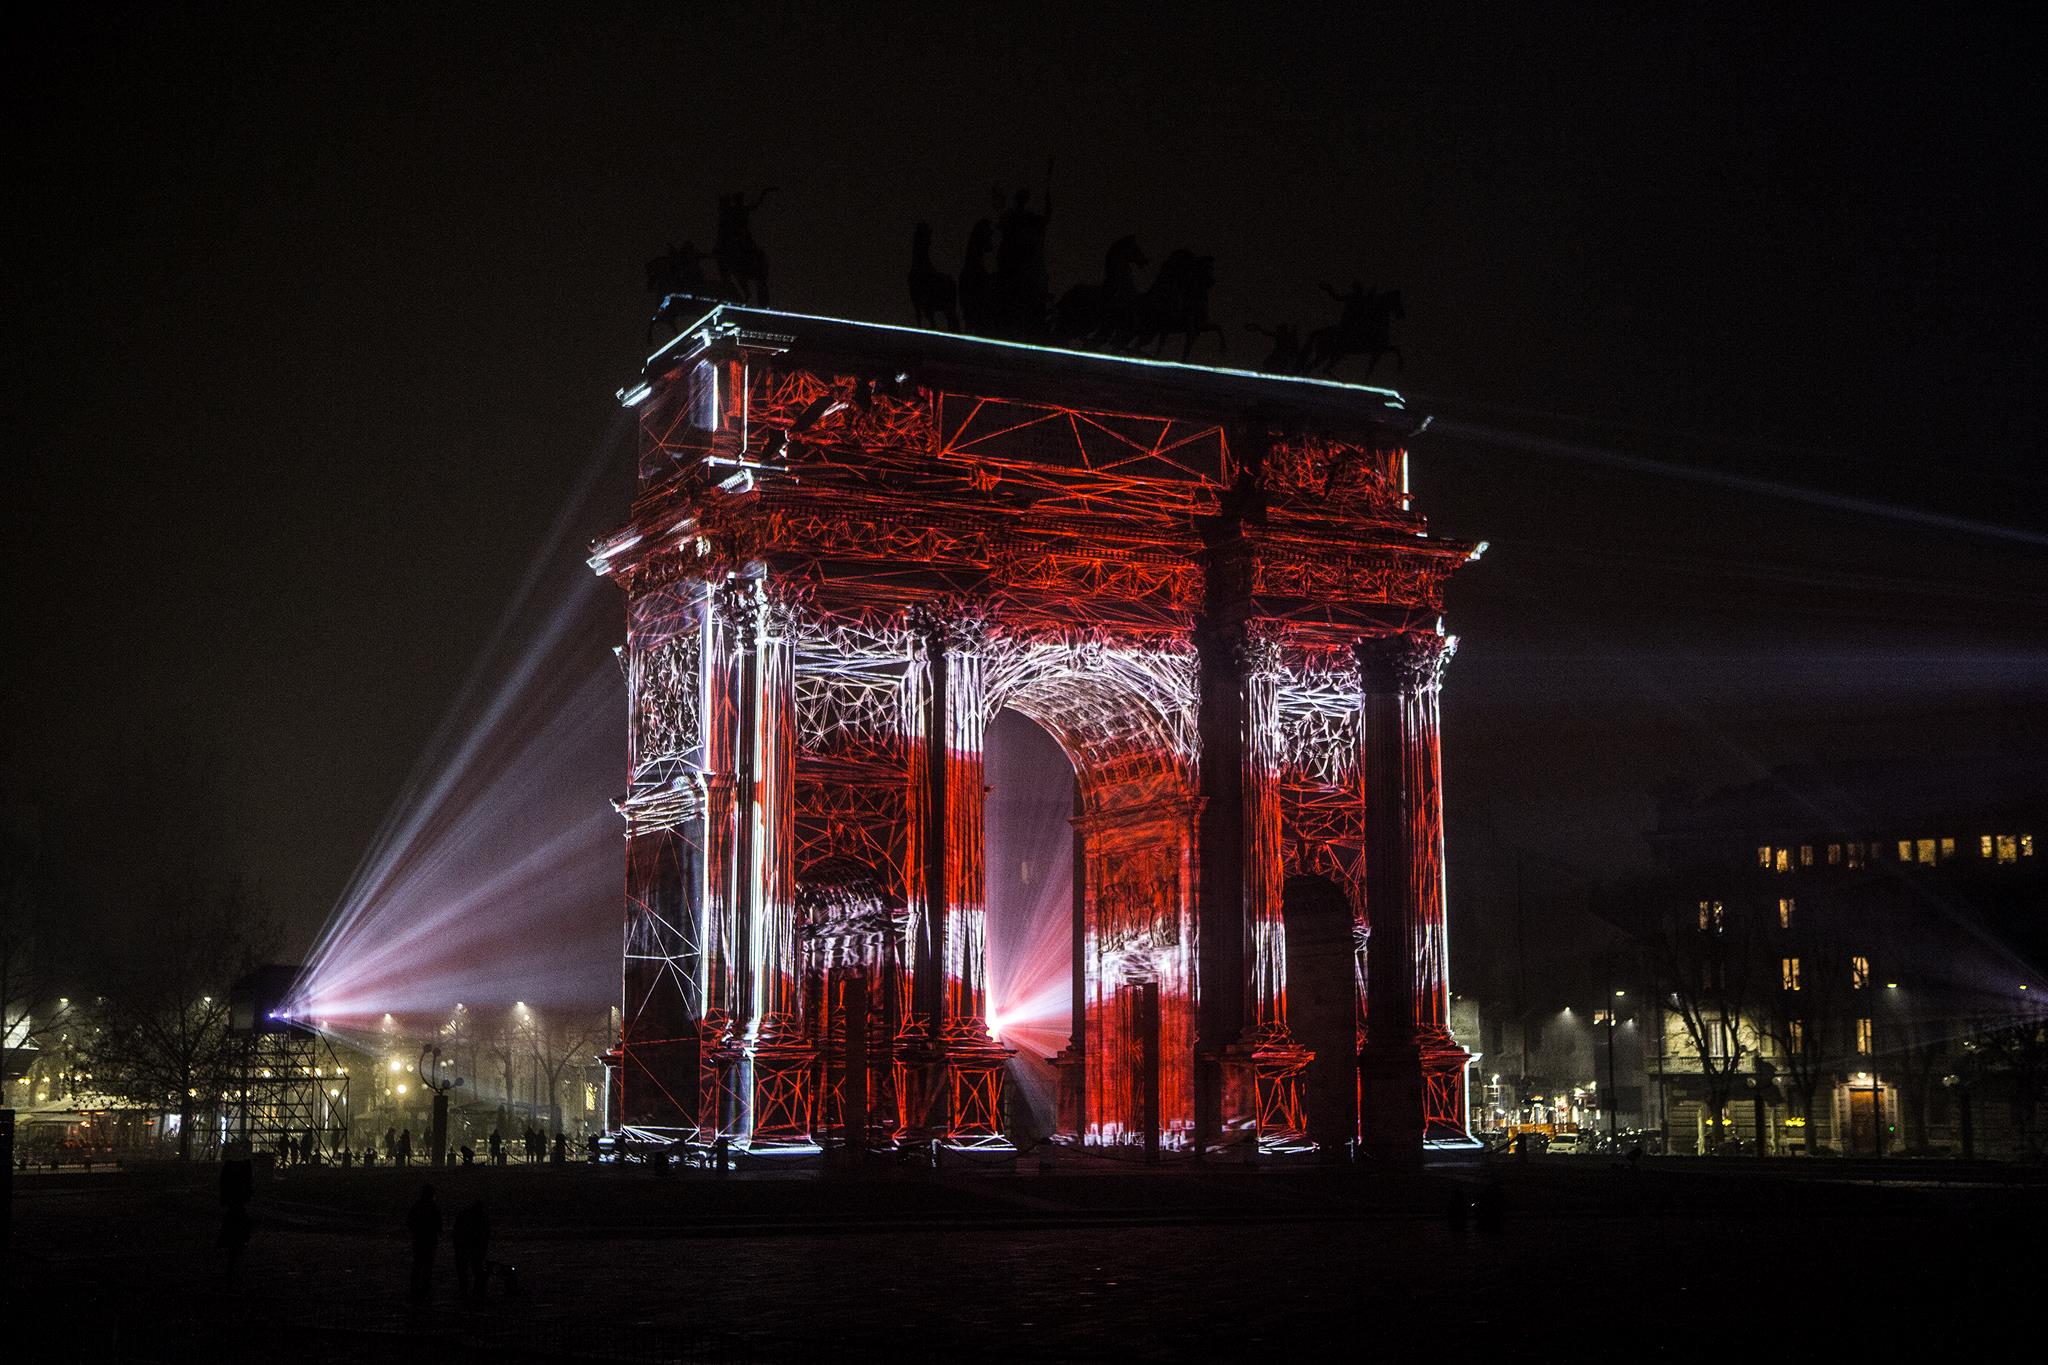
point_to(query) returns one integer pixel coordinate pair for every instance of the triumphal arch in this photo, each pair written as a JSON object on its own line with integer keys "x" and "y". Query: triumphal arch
{"x": 852, "y": 546}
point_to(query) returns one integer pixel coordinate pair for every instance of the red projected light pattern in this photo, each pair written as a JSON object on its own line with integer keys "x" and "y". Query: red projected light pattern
{"x": 854, "y": 547}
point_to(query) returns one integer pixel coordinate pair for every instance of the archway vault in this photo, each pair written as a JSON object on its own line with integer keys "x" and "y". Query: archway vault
{"x": 851, "y": 549}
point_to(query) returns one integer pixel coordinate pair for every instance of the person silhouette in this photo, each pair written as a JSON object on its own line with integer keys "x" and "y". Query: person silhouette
{"x": 423, "y": 1222}
{"x": 561, "y": 1154}
{"x": 470, "y": 1235}
{"x": 405, "y": 1147}
{"x": 497, "y": 1148}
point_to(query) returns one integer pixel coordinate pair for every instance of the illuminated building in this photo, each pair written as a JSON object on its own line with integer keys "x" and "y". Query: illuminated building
{"x": 1876, "y": 932}
{"x": 853, "y": 546}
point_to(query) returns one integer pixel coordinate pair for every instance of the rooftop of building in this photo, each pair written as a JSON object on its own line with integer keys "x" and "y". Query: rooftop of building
{"x": 1023, "y": 369}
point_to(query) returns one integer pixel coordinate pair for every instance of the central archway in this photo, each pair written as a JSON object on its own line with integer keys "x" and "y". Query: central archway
{"x": 1123, "y": 718}
{"x": 1032, "y": 920}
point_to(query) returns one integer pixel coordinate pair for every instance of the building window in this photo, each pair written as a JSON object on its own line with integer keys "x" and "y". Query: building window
{"x": 1856, "y": 854}
{"x": 1806, "y": 855}
{"x": 1905, "y": 850}
{"x": 2009, "y": 848}
{"x": 1863, "y": 1037}
{"x": 1763, "y": 855}
{"x": 1984, "y": 844}
{"x": 1788, "y": 968}
{"x": 1786, "y": 905}
{"x": 2026, "y": 845}
{"x": 1834, "y": 855}
{"x": 1948, "y": 849}
{"x": 1796, "y": 1035}
{"x": 1859, "y": 972}
{"x": 1781, "y": 859}
{"x": 1711, "y": 916}
{"x": 1924, "y": 851}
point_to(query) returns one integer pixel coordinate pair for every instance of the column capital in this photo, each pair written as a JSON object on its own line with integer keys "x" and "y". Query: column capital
{"x": 736, "y": 603}
{"x": 1407, "y": 662}
{"x": 1257, "y": 652}
{"x": 783, "y": 609}
{"x": 953, "y": 623}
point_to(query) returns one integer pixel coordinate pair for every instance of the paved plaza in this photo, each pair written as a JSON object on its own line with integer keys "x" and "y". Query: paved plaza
{"x": 1673, "y": 1261}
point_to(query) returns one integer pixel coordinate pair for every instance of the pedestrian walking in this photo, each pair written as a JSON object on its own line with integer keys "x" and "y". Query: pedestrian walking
{"x": 405, "y": 1147}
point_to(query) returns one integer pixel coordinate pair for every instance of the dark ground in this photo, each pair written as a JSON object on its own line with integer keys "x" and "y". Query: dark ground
{"x": 1674, "y": 1261}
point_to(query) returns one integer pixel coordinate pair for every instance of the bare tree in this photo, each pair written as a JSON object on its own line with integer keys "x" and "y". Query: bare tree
{"x": 560, "y": 1039}
{"x": 2015, "y": 1048}
{"x": 160, "y": 1033}
{"x": 1805, "y": 1000}
{"x": 25, "y": 978}
{"x": 1704, "y": 958}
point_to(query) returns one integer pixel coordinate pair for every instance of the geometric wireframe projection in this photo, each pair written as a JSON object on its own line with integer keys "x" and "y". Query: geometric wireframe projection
{"x": 852, "y": 547}
{"x": 659, "y": 1018}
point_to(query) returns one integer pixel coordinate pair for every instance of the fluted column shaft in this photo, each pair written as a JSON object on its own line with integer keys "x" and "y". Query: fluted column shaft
{"x": 775, "y": 987}
{"x": 1403, "y": 820}
{"x": 1258, "y": 658}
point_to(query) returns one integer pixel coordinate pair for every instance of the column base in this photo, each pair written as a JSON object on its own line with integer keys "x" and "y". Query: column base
{"x": 784, "y": 1109}
{"x": 721, "y": 1092}
{"x": 974, "y": 1080}
{"x": 1391, "y": 1116}
{"x": 1270, "y": 1063}
{"x": 1073, "y": 1072}
{"x": 1445, "y": 1098}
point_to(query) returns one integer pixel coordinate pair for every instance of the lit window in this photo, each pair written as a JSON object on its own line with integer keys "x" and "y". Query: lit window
{"x": 1789, "y": 968}
{"x": 1834, "y": 855}
{"x": 1599, "y": 1016}
{"x": 1785, "y": 907}
{"x": 2026, "y": 845}
{"x": 1763, "y": 855}
{"x": 1796, "y": 1035}
{"x": 1984, "y": 844}
{"x": 1924, "y": 848}
{"x": 2008, "y": 848}
{"x": 1781, "y": 859}
{"x": 1856, "y": 854}
{"x": 1859, "y": 972}
{"x": 1948, "y": 849}
{"x": 1711, "y": 915}
{"x": 1863, "y": 1036}
{"x": 1905, "y": 850}
{"x": 1806, "y": 855}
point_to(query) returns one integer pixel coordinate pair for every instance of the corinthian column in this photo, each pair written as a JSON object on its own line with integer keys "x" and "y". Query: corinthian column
{"x": 729, "y": 626}
{"x": 1277, "y": 1060}
{"x": 779, "y": 1054}
{"x": 960, "y": 1064}
{"x": 1400, "y": 676}
{"x": 1258, "y": 665}
{"x": 966, "y": 803}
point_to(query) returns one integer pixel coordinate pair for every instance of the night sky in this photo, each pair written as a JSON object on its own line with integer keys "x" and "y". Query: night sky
{"x": 318, "y": 323}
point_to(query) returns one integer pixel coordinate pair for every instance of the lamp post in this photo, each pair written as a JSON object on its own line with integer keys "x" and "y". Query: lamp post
{"x": 1613, "y": 1095}
{"x": 431, "y": 1079}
